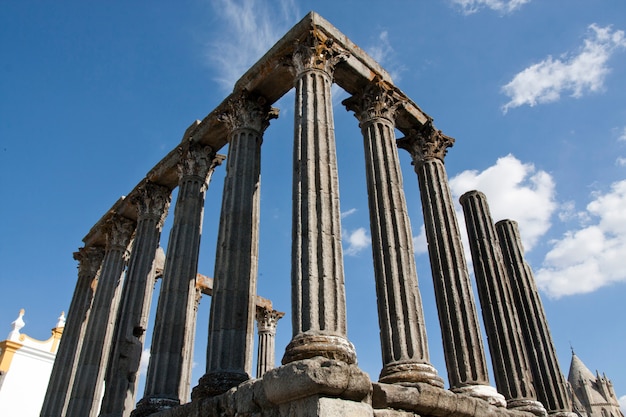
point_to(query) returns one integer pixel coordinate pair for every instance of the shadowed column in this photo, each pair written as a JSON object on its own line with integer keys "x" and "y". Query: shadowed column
{"x": 508, "y": 354}
{"x": 167, "y": 383}
{"x": 458, "y": 317}
{"x": 403, "y": 339}
{"x": 548, "y": 380}
{"x": 318, "y": 293}
{"x": 231, "y": 325}
{"x": 64, "y": 368}
{"x": 121, "y": 379}
{"x": 267, "y": 320}
{"x": 88, "y": 383}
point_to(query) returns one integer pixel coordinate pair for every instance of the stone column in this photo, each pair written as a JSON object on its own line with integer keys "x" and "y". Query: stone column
{"x": 508, "y": 354}
{"x": 151, "y": 204}
{"x": 317, "y": 278}
{"x": 64, "y": 368}
{"x": 458, "y": 317}
{"x": 400, "y": 314}
{"x": 548, "y": 380}
{"x": 88, "y": 382}
{"x": 172, "y": 340}
{"x": 231, "y": 325}
{"x": 266, "y": 320}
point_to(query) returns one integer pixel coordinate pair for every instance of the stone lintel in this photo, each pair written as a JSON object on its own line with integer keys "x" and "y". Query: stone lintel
{"x": 427, "y": 400}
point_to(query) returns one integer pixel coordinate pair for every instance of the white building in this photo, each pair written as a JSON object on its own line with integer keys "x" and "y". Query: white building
{"x": 25, "y": 366}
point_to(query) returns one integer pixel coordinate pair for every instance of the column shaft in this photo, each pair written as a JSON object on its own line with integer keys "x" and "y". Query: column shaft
{"x": 167, "y": 383}
{"x": 548, "y": 380}
{"x": 267, "y": 320}
{"x": 88, "y": 382}
{"x": 121, "y": 379}
{"x": 231, "y": 325}
{"x": 400, "y": 313}
{"x": 508, "y": 354}
{"x": 318, "y": 293}
{"x": 64, "y": 368}
{"x": 458, "y": 317}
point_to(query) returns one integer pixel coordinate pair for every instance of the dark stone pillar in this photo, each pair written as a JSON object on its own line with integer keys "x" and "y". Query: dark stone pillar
{"x": 548, "y": 380}
{"x": 508, "y": 354}
{"x": 400, "y": 314}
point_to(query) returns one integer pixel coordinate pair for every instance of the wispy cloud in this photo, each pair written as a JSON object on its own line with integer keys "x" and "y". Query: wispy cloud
{"x": 347, "y": 213}
{"x": 383, "y": 53}
{"x": 592, "y": 256}
{"x": 357, "y": 241}
{"x": 247, "y": 29}
{"x": 514, "y": 190}
{"x": 145, "y": 360}
{"x": 504, "y": 6}
{"x": 575, "y": 74}
{"x": 622, "y": 136}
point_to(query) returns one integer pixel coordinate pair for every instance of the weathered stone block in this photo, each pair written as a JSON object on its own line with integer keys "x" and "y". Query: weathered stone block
{"x": 316, "y": 406}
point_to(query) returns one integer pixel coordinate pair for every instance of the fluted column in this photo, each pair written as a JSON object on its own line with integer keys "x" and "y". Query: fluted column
{"x": 548, "y": 380}
{"x": 88, "y": 382}
{"x": 151, "y": 204}
{"x": 458, "y": 317}
{"x": 266, "y": 320}
{"x": 64, "y": 368}
{"x": 317, "y": 277}
{"x": 508, "y": 354}
{"x": 171, "y": 350}
{"x": 231, "y": 325}
{"x": 400, "y": 314}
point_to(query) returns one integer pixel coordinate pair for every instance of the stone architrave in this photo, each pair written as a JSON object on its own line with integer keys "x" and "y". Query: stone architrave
{"x": 64, "y": 368}
{"x": 458, "y": 317}
{"x": 317, "y": 276}
{"x": 267, "y": 320}
{"x": 231, "y": 325}
{"x": 167, "y": 383}
{"x": 508, "y": 353}
{"x": 548, "y": 380}
{"x": 121, "y": 379}
{"x": 400, "y": 313}
{"x": 89, "y": 380}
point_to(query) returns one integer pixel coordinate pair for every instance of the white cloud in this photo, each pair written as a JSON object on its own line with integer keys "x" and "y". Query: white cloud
{"x": 574, "y": 74}
{"x": 383, "y": 53}
{"x": 248, "y": 29}
{"x": 591, "y": 257}
{"x": 514, "y": 190}
{"x": 357, "y": 241}
{"x": 347, "y": 213}
{"x": 621, "y": 161}
{"x": 505, "y": 6}
{"x": 420, "y": 244}
{"x": 622, "y": 404}
{"x": 145, "y": 360}
{"x": 622, "y": 137}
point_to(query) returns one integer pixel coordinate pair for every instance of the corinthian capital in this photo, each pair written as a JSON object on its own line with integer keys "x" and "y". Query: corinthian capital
{"x": 267, "y": 319}
{"x": 90, "y": 260}
{"x": 317, "y": 51}
{"x": 376, "y": 100}
{"x": 118, "y": 230}
{"x": 196, "y": 160}
{"x": 152, "y": 201}
{"x": 425, "y": 143}
{"x": 248, "y": 112}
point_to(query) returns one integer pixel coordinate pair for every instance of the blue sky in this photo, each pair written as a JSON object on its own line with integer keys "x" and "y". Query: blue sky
{"x": 93, "y": 95}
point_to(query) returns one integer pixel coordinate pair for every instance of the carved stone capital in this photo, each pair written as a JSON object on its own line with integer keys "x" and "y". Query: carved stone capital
{"x": 426, "y": 143}
{"x": 118, "y": 230}
{"x": 90, "y": 260}
{"x": 248, "y": 112}
{"x": 267, "y": 319}
{"x": 376, "y": 101}
{"x": 152, "y": 202}
{"x": 196, "y": 160}
{"x": 317, "y": 51}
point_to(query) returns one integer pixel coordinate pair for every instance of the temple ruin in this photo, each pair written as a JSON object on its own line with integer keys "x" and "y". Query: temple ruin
{"x": 319, "y": 376}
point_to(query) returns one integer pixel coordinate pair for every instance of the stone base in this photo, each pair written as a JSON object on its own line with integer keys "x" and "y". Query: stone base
{"x": 563, "y": 414}
{"x": 149, "y": 406}
{"x": 530, "y": 406}
{"x": 308, "y": 345}
{"x": 408, "y": 373}
{"x": 325, "y": 407}
{"x": 484, "y": 392}
{"x": 216, "y": 383}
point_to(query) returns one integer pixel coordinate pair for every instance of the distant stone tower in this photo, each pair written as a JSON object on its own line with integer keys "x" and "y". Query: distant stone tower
{"x": 592, "y": 395}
